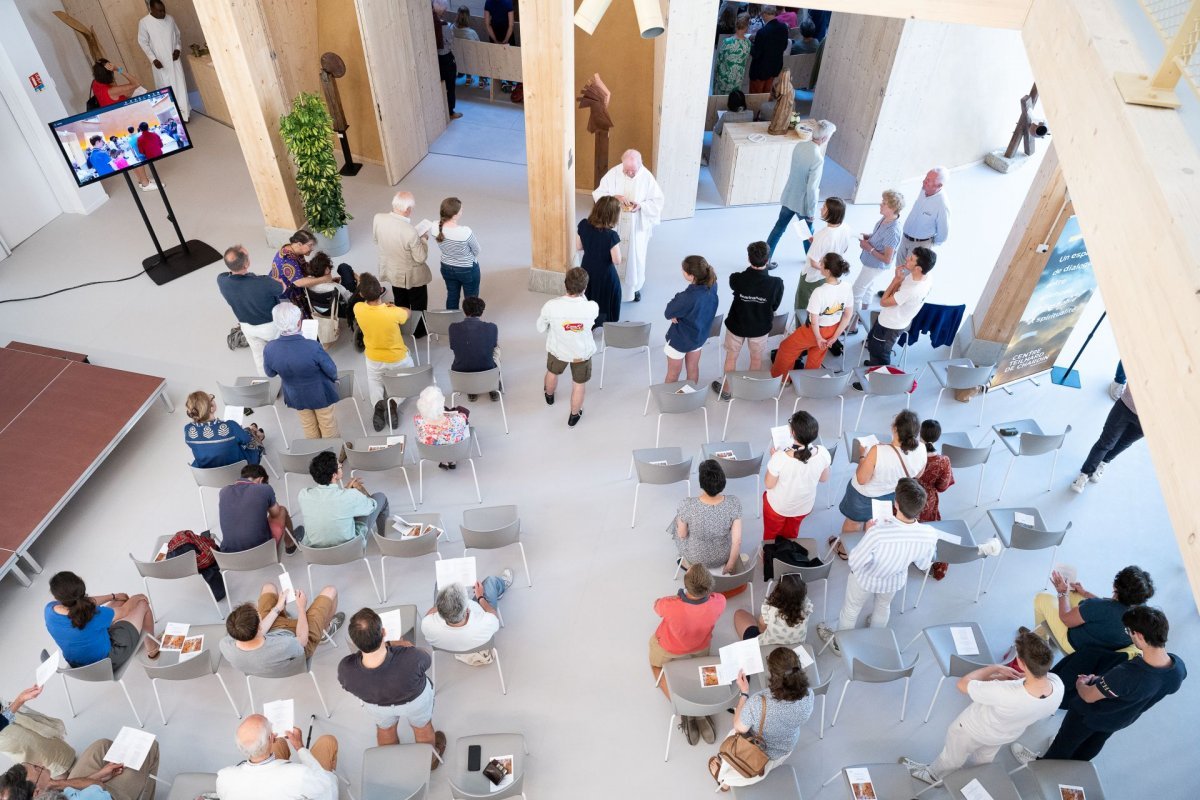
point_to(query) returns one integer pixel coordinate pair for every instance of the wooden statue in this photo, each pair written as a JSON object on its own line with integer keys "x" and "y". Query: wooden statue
{"x": 785, "y": 103}
{"x": 595, "y": 97}
{"x": 332, "y": 68}
{"x": 88, "y": 34}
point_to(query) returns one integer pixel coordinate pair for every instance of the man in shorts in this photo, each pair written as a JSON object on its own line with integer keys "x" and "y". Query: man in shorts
{"x": 567, "y": 322}
{"x": 264, "y": 640}
{"x": 388, "y": 676}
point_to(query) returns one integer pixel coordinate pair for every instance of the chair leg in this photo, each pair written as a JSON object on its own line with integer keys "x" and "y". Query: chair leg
{"x": 658, "y": 430}
{"x": 824, "y": 615}
{"x": 154, "y": 686}
{"x": 910, "y": 642}
{"x": 1053, "y": 560}
{"x": 408, "y": 483}
{"x": 821, "y": 730}
{"x": 933, "y": 700}
{"x": 658, "y": 679}
{"x": 312, "y": 589}
{"x": 979, "y": 588}
{"x": 838, "y": 710}
{"x": 979, "y": 493}
{"x": 499, "y": 670}
{"x": 282, "y": 432}
{"x": 728, "y": 408}
{"x": 649, "y": 369}
{"x": 706, "y": 436}
{"x": 922, "y": 590}
{"x": 757, "y": 496}
{"x": 383, "y": 575}
{"x": 992, "y": 579}
{"x": 132, "y": 707}
{"x": 475, "y": 475}
{"x": 70, "y": 703}
{"x": 670, "y": 728}
{"x": 149, "y": 599}
{"x": 217, "y": 605}
{"x": 679, "y": 568}
{"x": 646, "y": 407}
{"x": 358, "y": 411}
{"x": 841, "y": 415}
{"x": 982, "y": 404}
{"x": 270, "y": 467}
{"x": 228, "y": 696}
{"x": 1007, "y": 472}
{"x": 421, "y": 480}
{"x": 633, "y": 520}
{"x": 503, "y": 413}
{"x": 904, "y": 595}
{"x": 250, "y": 694}
{"x": 938, "y": 402}
{"x": 1053, "y": 468}
{"x": 861, "y": 406}
{"x": 525, "y": 561}
{"x": 904, "y": 702}
{"x": 630, "y": 473}
{"x": 371, "y": 575}
{"x": 603, "y": 361}
{"x": 320, "y": 696}
{"x": 203, "y": 510}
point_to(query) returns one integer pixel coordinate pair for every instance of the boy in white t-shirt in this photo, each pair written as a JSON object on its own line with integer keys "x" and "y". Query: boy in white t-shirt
{"x": 567, "y": 322}
{"x": 901, "y": 301}
{"x": 1004, "y": 704}
{"x": 830, "y": 309}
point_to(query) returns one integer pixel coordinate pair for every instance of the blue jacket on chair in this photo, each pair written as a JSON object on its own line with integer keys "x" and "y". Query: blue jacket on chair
{"x": 309, "y": 374}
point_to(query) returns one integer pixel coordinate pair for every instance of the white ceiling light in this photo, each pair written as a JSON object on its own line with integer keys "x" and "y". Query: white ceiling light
{"x": 649, "y": 16}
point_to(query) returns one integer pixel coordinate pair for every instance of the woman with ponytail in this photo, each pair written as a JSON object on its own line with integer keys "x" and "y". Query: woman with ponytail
{"x": 460, "y": 254}
{"x": 792, "y": 479}
{"x": 691, "y": 314}
{"x": 90, "y": 629}
{"x": 776, "y": 715}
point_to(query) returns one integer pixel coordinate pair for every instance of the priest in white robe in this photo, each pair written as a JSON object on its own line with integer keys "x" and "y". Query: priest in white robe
{"x": 641, "y": 201}
{"x": 158, "y": 36}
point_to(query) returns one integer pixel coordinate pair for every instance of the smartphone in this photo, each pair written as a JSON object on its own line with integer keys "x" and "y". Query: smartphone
{"x": 473, "y": 757}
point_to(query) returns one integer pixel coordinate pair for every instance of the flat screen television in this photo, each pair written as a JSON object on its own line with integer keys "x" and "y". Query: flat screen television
{"x": 108, "y": 141}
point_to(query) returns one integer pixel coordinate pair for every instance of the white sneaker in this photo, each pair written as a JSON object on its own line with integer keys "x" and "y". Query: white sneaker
{"x": 1079, "y": 483}
{"x": 1022, "y": 753}
{"x": 150, "y": 187}
{"x": 1115, "y": 390}
{"x": 506, "y": 577}
{"x": 992, "y": 547}
{"x": 919, "y": 771}
{"x": 1095, "y": 476}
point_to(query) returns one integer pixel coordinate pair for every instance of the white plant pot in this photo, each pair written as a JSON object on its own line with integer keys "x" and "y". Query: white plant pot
{"x": 339, "y": 245}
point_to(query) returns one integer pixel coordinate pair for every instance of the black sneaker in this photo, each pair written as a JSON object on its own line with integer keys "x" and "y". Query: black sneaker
{"x": 395, "y": 417}
{"x": 879, "y": 294}
{"x": 472, "y": 398}
{"x": 857, "y": 386}
{"x": 549, "y": 398}
{"x": 716, "y": 387}
{"x": 637, "y": 297}
{"x": 494, "y": 395}
{"x": 359, "y": 344}
{"x": 380, "y": 418}
{"x": 334, "y": 624}
{"x": 836, "y": 349}
{"x": 772, "y": 265}
{"x": 573, "y": 420}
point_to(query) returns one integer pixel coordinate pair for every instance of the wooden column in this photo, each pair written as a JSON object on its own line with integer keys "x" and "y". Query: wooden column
{"x": 682, "y": 67}
{"x": 1019, "y": 267}
{"x": 242, "y": 53}
{"x": 548, "y": 65}
{"x": 1133, "y": 173}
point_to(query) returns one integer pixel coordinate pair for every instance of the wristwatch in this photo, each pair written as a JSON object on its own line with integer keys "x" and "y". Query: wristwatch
{"x": 743, "y": 694}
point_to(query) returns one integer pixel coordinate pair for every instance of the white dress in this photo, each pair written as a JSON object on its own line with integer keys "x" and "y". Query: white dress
{"x": 644, "y": 190}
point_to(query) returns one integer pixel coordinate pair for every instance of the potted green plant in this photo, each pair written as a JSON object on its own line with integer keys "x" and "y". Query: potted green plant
{"x": 308, "y": 133}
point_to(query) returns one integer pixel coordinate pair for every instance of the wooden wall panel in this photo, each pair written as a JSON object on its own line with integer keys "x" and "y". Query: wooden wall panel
{"x": 430, "y": 91}
{"x": 293, "y": 32}
{"x": 337, "y": 31}
{"x": 123, "y": 17}
{"x": 90, "y": 13}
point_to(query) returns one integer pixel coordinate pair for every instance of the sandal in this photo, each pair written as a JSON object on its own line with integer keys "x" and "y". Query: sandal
{"x": 841, "y": 548}
{"x": 714, "y": 768}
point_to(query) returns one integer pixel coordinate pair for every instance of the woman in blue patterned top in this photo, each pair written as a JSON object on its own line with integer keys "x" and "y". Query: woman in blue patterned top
{"x": 218, "y": 442}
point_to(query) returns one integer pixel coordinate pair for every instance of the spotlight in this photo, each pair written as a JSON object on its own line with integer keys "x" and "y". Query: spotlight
{"x": 649, "y": 17}
{"x": 590, "y": 13}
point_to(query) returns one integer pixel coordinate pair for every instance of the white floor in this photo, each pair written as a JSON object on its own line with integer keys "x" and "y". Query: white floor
{"x": 574, "y": 651}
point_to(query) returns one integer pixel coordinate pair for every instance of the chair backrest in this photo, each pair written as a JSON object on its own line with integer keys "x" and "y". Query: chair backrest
{"x": 778, "y": 325}
{"x": 248, "y": 396}
{"x": 396, "y": 772}
{"x": 953, "y": 553}
{"x": 190, "y": 785}
{"x": 439, "y": 322}
{"x": 675, "y": 470}
{"x": 488, "y": 645}
{"x": 960, "y": 666}
{"x": 409, "y": 326}
{"x": 715, "y": 329}
{"x": 752, "y": 385}
{"x": 408, "y": 382}
{"x": 181, "y": 566}
{"x": 204, "y": 664}
{"x": 491, "y": 527}
{"x": 459, "y": 451}
{"x": 298, "y": 457}
{"x": 475, "y": 382}
{"x": 264, "y": 555}
{"x": 343, "y": 553}
{"x": 1035, "y": 444}
{"x": 725, "y": 583}
{"x": 98, "y": 672}
{"x": 780, "y": 784}
{"x": 627, "y": 335}
{"x": 808, "y": 574}
{"x": 883, "y": 382}
{"x": 345, "y": 384}
{"x": 818, "y": 384}
{"x": 963, "y": 377}
{"x": 867, "y": 673}
{"x": 741, "y": 467}
{"x": 1025, "y": 538}
{"x": 374, "y": 460}
{"x": 669, "y": 402}
{"x": 288, "y": 669}
{"x": 218, "y": 477}
{"x": 822, "y": 688}
{"x": 1051, "y": 773}
{"x": 406, "y": 546}
{"x": 963, "y": 457}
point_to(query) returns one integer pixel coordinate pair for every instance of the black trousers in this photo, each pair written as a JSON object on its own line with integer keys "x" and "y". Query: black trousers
{"x": 1076, "y": 741}
{"x": 417, "y": 299}
{"x": 880, "y": 341}
{"x": 448, "y": 69}
{"x": 1121, "y": 429}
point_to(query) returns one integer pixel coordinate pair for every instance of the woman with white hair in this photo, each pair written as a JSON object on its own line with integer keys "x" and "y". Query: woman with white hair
{"x": 309, "y": 374}
{"x": 439, "y": 425}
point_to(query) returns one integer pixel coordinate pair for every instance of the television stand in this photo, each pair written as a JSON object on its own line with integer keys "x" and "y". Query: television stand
{"x": 186, "y": 257}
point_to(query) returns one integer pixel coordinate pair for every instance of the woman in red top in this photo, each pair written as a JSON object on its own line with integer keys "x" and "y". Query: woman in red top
{"x": 937, "y": 478}
{"x": 108, "y": 90}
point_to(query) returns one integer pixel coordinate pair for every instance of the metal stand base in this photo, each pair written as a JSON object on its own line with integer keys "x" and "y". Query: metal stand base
{"x": 179, "y": 261}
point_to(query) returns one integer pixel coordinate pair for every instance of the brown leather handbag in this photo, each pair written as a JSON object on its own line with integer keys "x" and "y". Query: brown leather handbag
{"x": 746, "y": 752}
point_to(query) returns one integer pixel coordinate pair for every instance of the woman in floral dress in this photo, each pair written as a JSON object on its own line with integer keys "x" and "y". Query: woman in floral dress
{"x": 288, "y": 268}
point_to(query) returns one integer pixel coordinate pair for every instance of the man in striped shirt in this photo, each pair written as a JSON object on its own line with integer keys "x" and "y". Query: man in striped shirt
{"x": 879, "y": 565}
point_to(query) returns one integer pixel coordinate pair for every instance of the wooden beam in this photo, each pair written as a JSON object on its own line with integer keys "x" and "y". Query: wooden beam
{"x": 1133, "y": 177}
{"x": 292, "y": 25}
{"x": 548, "y": 64}
{"x": 985, "y": 13}
{"x": 237, "y": 35}
{"x": 682, "y": 66}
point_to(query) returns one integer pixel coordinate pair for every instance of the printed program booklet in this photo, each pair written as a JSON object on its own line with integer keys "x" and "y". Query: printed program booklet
{"x": 861, "y": 787}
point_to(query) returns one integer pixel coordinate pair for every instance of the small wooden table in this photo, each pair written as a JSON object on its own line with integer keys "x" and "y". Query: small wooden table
{"x": 208, "y": 84}
{"x": 749, "y": 172}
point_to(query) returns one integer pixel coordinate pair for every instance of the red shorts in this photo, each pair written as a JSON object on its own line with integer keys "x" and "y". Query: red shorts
{"x": 776, "y": 525}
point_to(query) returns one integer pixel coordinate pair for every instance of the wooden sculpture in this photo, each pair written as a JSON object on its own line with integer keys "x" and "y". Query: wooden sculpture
{"x": 332, "y": 68}
{"x": 785, "y": 103}
{"x": 89, "y": 35}
{"x": 595, "y": 97}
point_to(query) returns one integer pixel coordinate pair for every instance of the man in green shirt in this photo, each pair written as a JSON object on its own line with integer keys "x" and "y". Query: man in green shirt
{"x": 335, "y": 514}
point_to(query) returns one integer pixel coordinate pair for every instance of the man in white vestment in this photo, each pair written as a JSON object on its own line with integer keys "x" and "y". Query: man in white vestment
{"x": 642, "y": 201}
{"x": 158, "y": 36}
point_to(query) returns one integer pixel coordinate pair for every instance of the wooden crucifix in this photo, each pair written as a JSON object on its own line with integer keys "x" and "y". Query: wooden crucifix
{"x": 595, "y": 97}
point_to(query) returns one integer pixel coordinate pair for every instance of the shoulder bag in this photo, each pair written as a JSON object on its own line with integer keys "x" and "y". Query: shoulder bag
{"x": 900, "y": 456}
{"x": 328, "y": 328}
{"x": 746, "y": 752}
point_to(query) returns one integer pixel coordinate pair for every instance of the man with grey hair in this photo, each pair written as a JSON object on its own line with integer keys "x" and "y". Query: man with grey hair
{"x": 641, "y": 200}
{"x": 268, "y": 770}
{"x": 928, "y": 221}
{"x": 458, "y": 621}
{"x": 251, "y": 297}
{"x": 402, "y": 255}
{"x": 799, "y": 198}
{"x": 310, "y": 378}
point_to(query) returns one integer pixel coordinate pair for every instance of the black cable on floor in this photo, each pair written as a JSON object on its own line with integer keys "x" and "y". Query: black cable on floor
{"x": 70, "y": 288}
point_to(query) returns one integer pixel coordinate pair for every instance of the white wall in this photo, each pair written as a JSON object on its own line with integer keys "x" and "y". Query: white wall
{"x": 64, "y": 55}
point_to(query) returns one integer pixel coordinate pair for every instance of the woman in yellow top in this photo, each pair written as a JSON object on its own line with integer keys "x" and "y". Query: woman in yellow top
{"x": 385, "y": 351}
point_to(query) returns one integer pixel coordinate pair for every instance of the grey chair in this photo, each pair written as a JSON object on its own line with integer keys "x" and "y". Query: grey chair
{"x": 479, "y": 383}
{"x": 991, "y": 777}
{"x": 253, "y": 395}
{"x": 780, "y": 784}
{"x": 961, "y": 373}
{"x": 396, "y": 772}
{"x": 626, "y": 336}
{"x": 872, "y": 655}
{"x": 404, "y": 384}
{"x": 882, "y": 383}
{"x": 1052, "y": 773}
{"x": 891, "y": 781}
{"x": 408, "y": 623}
{"x": 346, "y": 391}
{"x": 714, "y": 332}
{"x": 460, "y": 451}
{"x": 821, "y": 384}
{"x": 492, "y": 528}
{"x": 256, "y": 558}
{"x": 688, "y": 697}
{"x": 1030, "y": 441}
{"x": 437, "y": 323}
{"x": 487, "y": 647}
{"x": 169, "y": 667}
{"x": 99, "y": 672}
{"x": 407, "y": 547}
{"x": 949, "y": 662}
{"x": 750, "y": 387}
{"x": 668, "y": 401}
{"x": 297, "y": 666}
{"x": 1016, "y": 536}
{"x": 963, "y": 455}
{"x": 360, "y": 458}
{"x": 950, "y": 553}
{"x": 190, "y": 785}
{"x": 743, "y": 577}
{"x": 676, "y": 469}
{"x": 336, "y": 556}
{"x": 468, "y": 785}
{"x": 214, "y": 478}
{"x": 298, "y": 458}
{"x": 810, "y": 576}
{"x": 409, "y": 328}
{"x": 778, "y": 325}
{"x": 744, "y": 464}
{"x": 181, "y": 566}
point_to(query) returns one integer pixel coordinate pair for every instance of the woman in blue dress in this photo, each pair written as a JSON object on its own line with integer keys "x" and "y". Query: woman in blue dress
{"x": 600, "y": 245}
{"x": 218, "y": 442}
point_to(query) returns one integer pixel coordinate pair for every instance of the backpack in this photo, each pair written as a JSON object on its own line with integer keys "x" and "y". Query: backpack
{"x": 235, "y": 338}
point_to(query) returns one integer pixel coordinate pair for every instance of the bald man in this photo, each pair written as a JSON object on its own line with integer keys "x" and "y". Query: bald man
{"x": 641, "y": 201}
{"x": 928, "y": 221}
{"x": 402, "y": 255}
{"x": 268, "y": 770}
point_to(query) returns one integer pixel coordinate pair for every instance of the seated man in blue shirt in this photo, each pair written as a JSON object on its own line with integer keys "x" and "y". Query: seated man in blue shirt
{"x": 250, "y": 514}
{"x": 334, "y": 514}
{"x": 474, "y": 342}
